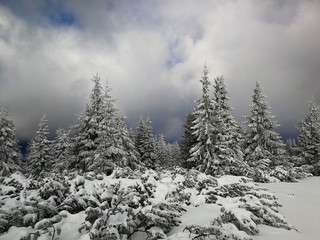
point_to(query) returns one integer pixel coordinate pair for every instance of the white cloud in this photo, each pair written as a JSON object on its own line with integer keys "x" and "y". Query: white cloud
{"x": 153, "y": 53}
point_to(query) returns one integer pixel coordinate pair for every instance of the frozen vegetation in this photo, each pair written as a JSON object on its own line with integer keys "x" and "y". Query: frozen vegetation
{"x": 100, "y": 180}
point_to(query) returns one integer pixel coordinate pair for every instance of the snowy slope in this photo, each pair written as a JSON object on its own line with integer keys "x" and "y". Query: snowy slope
{"x": 301, "y": 206}
{"x": 229, "y": 206}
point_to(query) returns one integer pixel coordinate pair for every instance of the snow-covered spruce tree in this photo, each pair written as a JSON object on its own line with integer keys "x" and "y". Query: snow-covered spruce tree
{"x": 227, "y": 133}
{"x": 188, "y": 141}
{"x": 168, "y": 155}
{"x": 162, "y": 151}
{"x": 131, "y": 157}
{"x": 202, "y": 153}
{"x": 263, "y": 146}
{"x": 111, "y": 152}
{"x": 87, "y": 131}
{"x": 10, "y": 156}
{"x": 175, "y": 154}
{"x": 39, "y": 161}
{"x": 116, "y": 146}
{"x": 294, "y": 153}
{"x": 145, "y": 143}
{"x": 309, "y": 137}
{"x": 61, "y": 150}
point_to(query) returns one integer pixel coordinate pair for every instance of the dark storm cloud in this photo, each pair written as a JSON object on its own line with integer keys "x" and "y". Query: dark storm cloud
{"x": 152, "y": 53}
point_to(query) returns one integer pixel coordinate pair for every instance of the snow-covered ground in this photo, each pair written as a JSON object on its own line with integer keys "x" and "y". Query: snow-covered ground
{"x": 301, "y": 207}
{"x": 238, "y": 199}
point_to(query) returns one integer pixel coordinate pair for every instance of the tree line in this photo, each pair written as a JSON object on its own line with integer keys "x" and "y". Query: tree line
{"x": 213, "y": 141}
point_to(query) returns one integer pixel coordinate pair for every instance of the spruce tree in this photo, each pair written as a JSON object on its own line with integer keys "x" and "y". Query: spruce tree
{"x": 10, "y": 156}
{"x": 131, "y": 157}
{"x": 188, "y": 141}
{"x": 87, "y": 131}
{"x": 116, "y": 146}
{"x": 227, "y": 133}
{"x": 263, "y": 146}
{"x": 111, "y": 152}
{"x": 145, "y": 143}
{"x": 161, "y": 151}
{"x": 62, "y": 150}
{"x": 309, "y": 137}
{"x": 39, "y": 158}
{"x": 202, "y": 153}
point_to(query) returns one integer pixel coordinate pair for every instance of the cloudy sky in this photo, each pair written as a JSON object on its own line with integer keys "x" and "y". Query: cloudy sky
{"x": 152, "y": 53}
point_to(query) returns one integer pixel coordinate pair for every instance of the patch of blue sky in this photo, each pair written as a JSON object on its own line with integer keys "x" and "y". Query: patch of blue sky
{"x": 58, "y": 14}
{"x": 174, "y": 57}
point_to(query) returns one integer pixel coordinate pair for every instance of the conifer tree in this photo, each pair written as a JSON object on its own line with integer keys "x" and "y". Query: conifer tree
{"x": 10, "y": 156}
{"x": 263, "y": 146}
{"x": 175, "y": 157}
{"x": 116, "y": 146}
{"x": 161, "y": 151}
{"x": 39, "y": 157}
{"x": 145, "y": 143}
{"x": 131, "y": 158}
{"x": 309, "y": 137}
{"x": 227, "y": 133}
{"x": 203, "y": 154}
{"x": 87, "y": 131}
{"x": 188, "y": 141}
{"x": 111, "y": 152}
{"x": 62, "y": 150}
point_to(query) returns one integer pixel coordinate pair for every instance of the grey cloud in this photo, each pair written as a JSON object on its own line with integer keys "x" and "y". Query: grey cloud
{"x": 153, "y": 53}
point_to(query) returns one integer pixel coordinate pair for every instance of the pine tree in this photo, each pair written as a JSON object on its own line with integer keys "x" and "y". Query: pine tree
{"x": 111, "y": 152}
{"x": 145, "y": 143}
{"x": 203, "y": 154}
{"x": 10, "y": 156}
{"x": 62, "y": 150}
{"x": 87, "y": 131}
{"x": 309, "y": 136}
{"x": 227, "y": 133}
{"x": 162, "y": 151}
{"x": 40, "y": 158}
{"x": 188, "y": 141}
{"x": 175, "y": 157}
{"x": 263, "y": 146}
{"x": 116, "y": 146}
{"x": 131, "y": 158}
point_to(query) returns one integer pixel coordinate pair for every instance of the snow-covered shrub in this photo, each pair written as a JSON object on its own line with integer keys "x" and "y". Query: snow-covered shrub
{"x": 90, "y": 176}
{"x": 232, "y": 190}
{"x": 126, "y": 173}
{"x": 282, "y": 174}
{"x": 300, "y": 172}
{"x": 50, "y": 188}
{"x": 217, "y": 231}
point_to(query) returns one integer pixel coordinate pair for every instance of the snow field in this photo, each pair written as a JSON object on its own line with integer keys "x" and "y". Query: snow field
{"x": 169, "y": 205}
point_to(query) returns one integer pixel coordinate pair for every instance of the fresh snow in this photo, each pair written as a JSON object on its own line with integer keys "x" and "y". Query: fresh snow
{"x": 300, "y": 205}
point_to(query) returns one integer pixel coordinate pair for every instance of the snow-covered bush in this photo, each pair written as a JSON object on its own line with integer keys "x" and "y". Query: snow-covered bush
{"x": 283, "y": 174}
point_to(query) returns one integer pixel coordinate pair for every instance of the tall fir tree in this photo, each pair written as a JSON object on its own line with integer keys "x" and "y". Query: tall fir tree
{"x": 188, "y": 141}
{"x": 10, "y": 155}
{"x": 116, "y": 146}
{"x": 87, "y": 131}
{"x": 202, "y": 153}
{"x": 111, "y": 152}
{"x": 40, "y": 153}
{"x": 145, "y": 144}
{"x": 263, "y": 146}
{"x": 62, "y": 150}
{"x": 131, "y": 158}
{"x": 227, "y": 132}
{"x": 161, "y": 151}
{"x": 309, "y": 137}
